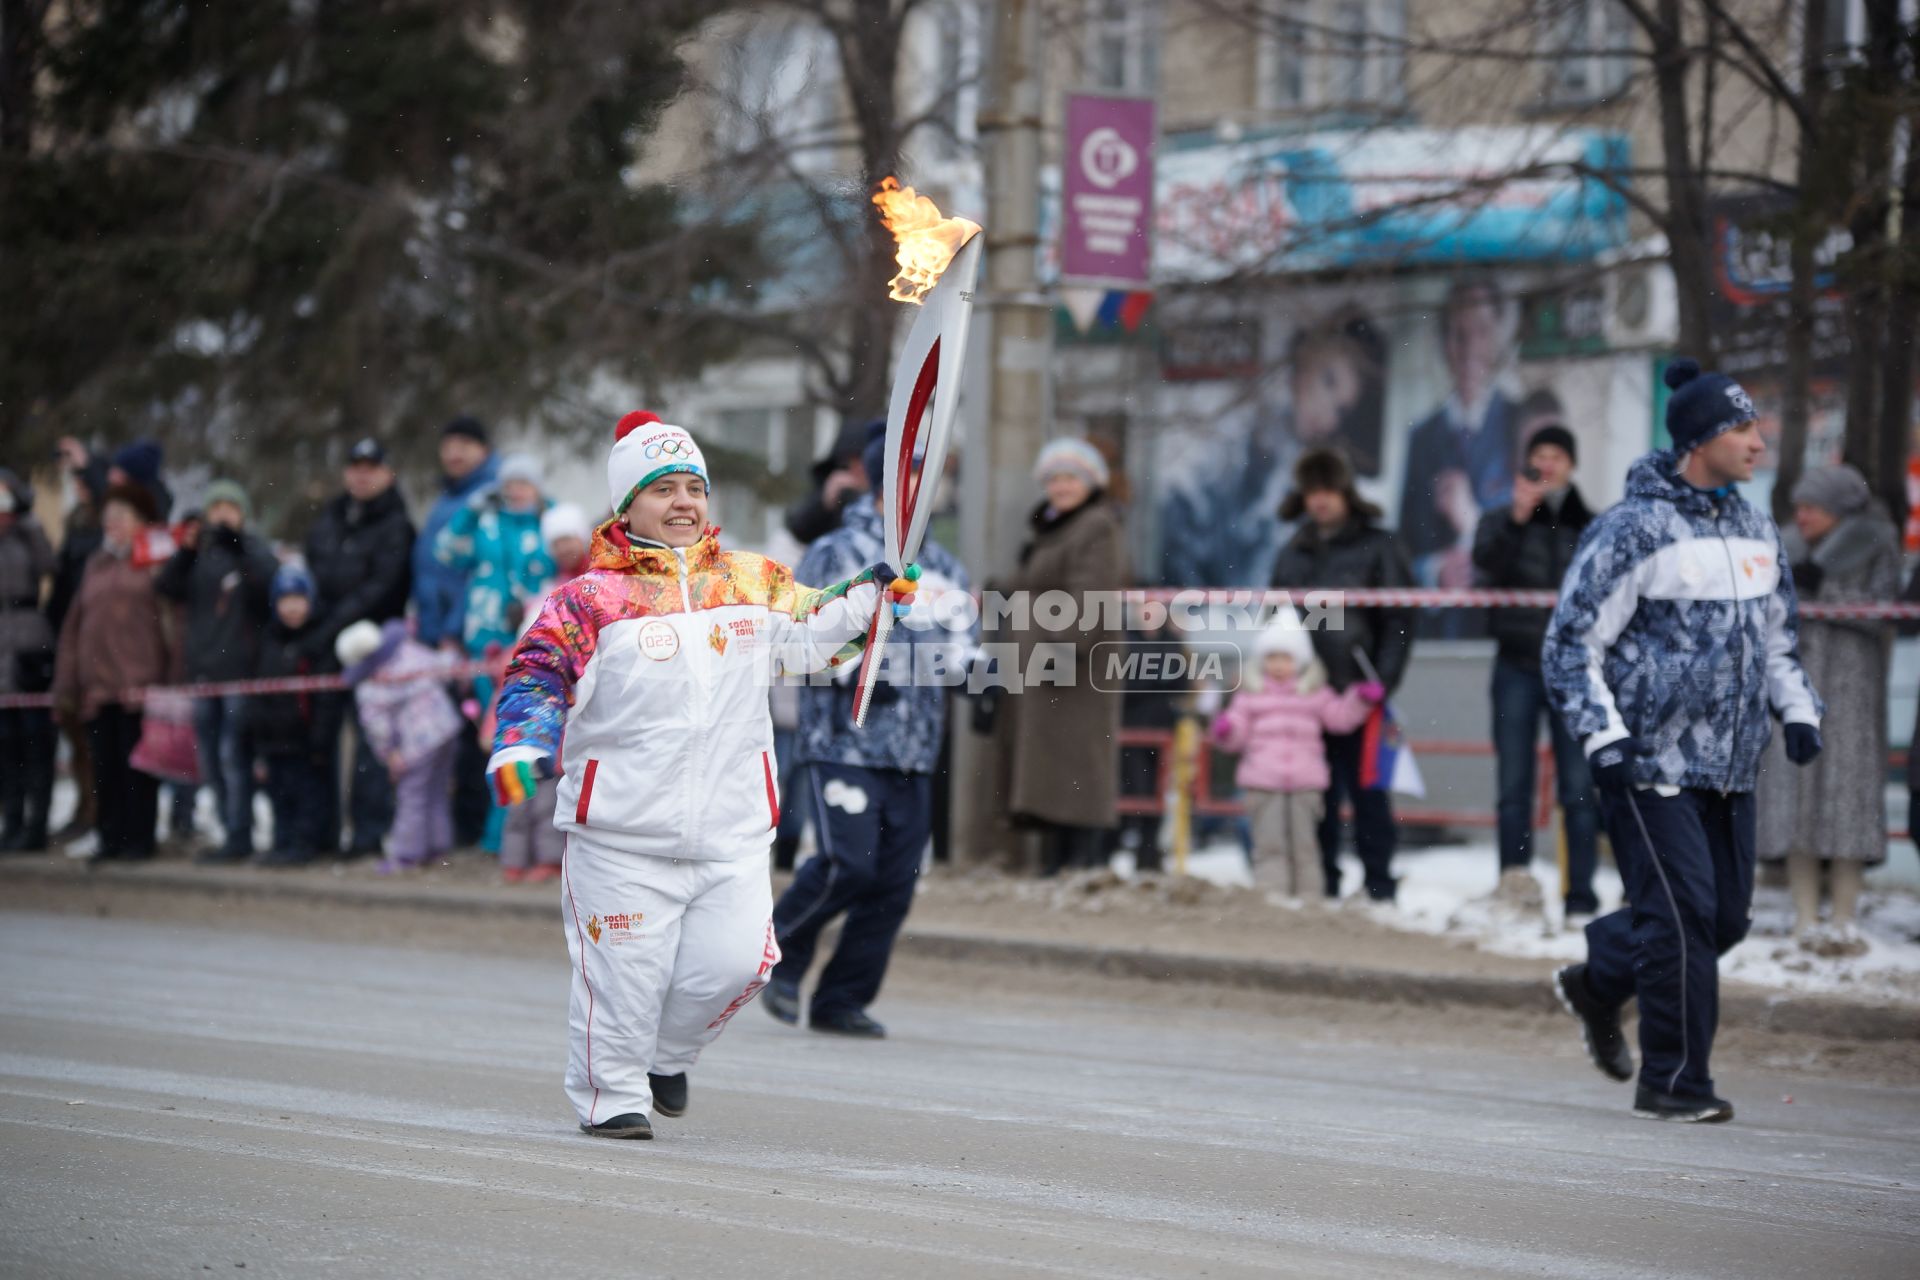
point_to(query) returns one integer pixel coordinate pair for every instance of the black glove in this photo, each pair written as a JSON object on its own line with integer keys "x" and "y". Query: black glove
{"x": 882, "y": 693}
{"x": 1612, "y": 765}
{"x": 1807, "y": 578}
{"x": 1803, "y": 743}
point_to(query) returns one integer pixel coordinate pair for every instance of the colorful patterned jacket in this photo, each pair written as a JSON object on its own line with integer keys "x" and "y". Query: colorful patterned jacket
{"x": 906, "y": 726}
{"x": 1677, "y": 625}
{"x": 655, "y": 664}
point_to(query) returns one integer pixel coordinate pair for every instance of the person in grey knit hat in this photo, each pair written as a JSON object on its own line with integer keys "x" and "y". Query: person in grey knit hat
{"x": 1842, "y": 547}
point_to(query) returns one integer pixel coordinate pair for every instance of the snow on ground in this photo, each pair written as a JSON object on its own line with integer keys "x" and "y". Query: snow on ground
{"x": 1444, "y": 891}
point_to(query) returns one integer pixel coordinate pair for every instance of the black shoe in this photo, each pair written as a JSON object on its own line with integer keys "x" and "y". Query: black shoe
{"x": 848, "y": 1022}
{"x": 14, "y": 840}
{"x": 281, "y": 859}
{"x": 1599, "y": 1026}
{"x": 783, "y": 1002}
{"x": 630, "y": 1125}
{"x": 669, "y": 1094}
{"x": 220, "y": 858}
{"x": 1650, "y": 1104}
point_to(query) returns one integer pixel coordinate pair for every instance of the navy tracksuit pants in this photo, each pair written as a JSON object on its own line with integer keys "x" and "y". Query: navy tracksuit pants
{"x": 873, "y": 826}
{"x": 1690, "y": 899}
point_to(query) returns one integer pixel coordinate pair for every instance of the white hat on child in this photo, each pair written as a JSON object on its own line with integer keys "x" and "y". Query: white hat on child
{"x": 1286, "y": 634}
{"x": 357, "y": 642}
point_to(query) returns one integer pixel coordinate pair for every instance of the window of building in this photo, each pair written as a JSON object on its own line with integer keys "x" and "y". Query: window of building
{"x": 1337, "y": 54}
{"x": 1123, "y": 45}
{"x": 1587, "y": 42}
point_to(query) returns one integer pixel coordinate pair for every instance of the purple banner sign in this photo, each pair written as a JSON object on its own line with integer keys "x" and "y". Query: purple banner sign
{"x": 1108, "y": 195}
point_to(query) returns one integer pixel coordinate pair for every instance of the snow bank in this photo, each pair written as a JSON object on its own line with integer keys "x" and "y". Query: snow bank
{"x": 1445, "y": 891}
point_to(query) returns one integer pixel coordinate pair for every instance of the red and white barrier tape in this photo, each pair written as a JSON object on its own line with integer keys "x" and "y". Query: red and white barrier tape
{"x": 1459, "y": 598}
{"x": 256, "y": 687}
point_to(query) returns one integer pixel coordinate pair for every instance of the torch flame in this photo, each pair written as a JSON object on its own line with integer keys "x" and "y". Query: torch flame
{"x": 927, "y": 241}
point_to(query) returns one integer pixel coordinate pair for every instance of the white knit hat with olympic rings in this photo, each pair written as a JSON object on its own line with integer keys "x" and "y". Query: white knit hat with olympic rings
{"x": 644, "y": 449}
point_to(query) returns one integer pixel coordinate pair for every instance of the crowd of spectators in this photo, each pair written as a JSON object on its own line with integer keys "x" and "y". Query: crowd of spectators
{"x": 128, "y": 598}
{"x": 138, "y": 596}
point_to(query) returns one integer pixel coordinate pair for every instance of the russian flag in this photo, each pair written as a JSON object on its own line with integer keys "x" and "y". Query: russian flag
{"x": 1386, "y": 761}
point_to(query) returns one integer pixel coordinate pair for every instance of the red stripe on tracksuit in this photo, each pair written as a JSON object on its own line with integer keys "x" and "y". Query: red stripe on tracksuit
{"x": 566, "y": 863}
{"x": 586, "y": 793}
{"x": 773, "y": 794}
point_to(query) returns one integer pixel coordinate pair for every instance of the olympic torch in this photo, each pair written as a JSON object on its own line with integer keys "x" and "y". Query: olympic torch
{"x": 939, "y": 262}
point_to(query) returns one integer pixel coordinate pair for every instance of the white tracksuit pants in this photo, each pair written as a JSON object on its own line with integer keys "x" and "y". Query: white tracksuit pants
{"x": 664, "y": 951}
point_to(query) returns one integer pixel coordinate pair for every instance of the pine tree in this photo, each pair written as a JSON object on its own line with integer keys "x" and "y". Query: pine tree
{"x": 260, "y": 230}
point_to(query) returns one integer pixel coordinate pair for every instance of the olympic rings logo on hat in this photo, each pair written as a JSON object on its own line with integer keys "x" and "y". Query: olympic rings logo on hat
{"x": 671, "y": 447}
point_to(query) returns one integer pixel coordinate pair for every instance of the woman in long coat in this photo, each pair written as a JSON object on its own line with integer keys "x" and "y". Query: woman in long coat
{"x": 1066, "y": 738}
{"x": 1842, "y": 548}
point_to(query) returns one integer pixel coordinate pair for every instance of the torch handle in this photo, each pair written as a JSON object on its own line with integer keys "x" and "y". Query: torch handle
{"x": 870, "y": 661}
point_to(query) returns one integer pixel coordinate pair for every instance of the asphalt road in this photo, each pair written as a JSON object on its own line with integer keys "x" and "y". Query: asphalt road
{"x": 178, "y": 1099}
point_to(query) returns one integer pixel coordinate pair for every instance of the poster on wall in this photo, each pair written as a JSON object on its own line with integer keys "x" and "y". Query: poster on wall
{"x": 1435, "y": 456}
{"x": 1224, "y": 458}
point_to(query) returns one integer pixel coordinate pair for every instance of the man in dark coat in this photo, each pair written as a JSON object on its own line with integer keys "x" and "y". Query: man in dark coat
{"x": 359, "y": 552}
{"x": 1340, "y": 544}
{"x": 223, "y": 578}
{"x": 1528, "y": 547}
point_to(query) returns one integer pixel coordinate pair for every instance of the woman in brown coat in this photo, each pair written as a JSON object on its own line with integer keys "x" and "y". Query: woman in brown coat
{"x": 1842, "y": 548}
{"x": 112, "y": 646}
{"x": 1066, "y": 737}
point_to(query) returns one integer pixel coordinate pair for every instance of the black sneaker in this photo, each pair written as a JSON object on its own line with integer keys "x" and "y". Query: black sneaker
{"x": 669, "y": 1094}
{"x": 220, "y": 858}
{"x": 630, "y": 1125}
{"x": 1650, "y": 1104}
{"x": 783, "y": 1002}
{"x": 1599, "y": 1026}
{"x": 281, "y": 858}
{"x": 848, "y": 1022}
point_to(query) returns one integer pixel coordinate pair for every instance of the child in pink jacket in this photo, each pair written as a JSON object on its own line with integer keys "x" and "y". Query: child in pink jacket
{"x": 1275, "y": 722}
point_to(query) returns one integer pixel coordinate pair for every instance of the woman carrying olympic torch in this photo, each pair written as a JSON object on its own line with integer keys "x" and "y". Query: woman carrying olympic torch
{"x": 654, "y": 666}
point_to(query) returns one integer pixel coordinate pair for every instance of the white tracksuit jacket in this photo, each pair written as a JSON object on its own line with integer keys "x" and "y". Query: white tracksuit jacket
{"x": 654, "y": 665}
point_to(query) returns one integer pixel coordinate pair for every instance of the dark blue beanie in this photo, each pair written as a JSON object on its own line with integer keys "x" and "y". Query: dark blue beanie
{"x": 874, "y": 456}
{"x": 1703, "y": 405}
{"x": 141, "y": 461}
{"x": 291, "y": 580}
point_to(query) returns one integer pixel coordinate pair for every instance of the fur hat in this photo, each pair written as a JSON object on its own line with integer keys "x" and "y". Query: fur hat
{"x": 1703, "y": 405}
{"x": 136, "y": 496}
{"x": 1840, "y": 490}
{"x": 1320, "y": 470}
{"x": 564, "y": 520}
{"x": 357, "y": 643}
{"x": 1556, "y": 435}
{"x": 522, "y": 466}
{"x": 1073, "y": 457}
{"x": 644, "y": 449}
